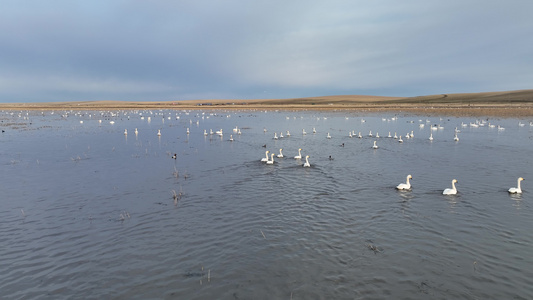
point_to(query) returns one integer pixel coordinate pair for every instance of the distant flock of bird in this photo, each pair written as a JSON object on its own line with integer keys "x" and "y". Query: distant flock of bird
{"x": 269, "y": 157}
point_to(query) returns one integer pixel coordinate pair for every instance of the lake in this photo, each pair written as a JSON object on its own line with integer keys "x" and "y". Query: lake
{"x": 89, "y": 212}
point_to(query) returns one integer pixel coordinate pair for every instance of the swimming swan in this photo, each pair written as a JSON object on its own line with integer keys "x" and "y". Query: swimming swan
{"x": 405, "y": 186}
{"x": 307, "y": 164}
{"x": 280, "y": 155}
{"x": 271, "y": 160}
{"x": 264, "y": 159}
{"x": 516, "y": 190}
{"x": 451, "y": 191}
{"x": 299, "y": 156}
{"x": 375, "y": 146}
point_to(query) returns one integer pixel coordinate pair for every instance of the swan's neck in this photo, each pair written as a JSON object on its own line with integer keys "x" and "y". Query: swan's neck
{"x": 518, "y": 185}
{"x": 407, "y": 180}
{"x": 453, "y": 185}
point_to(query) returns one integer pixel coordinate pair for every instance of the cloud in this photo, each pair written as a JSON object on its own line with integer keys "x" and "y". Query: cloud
{"x": 136, "y": 50}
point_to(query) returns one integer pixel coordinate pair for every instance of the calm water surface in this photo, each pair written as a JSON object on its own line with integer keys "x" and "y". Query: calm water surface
{"x": 87, "y": 212}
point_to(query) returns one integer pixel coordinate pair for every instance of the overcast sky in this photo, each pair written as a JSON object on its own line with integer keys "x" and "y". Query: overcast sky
{"x": 65, "y": 50}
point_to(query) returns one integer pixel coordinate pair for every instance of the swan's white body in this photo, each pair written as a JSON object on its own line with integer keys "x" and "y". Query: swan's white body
{"x": 288, "y": 133}
{"x": 314, "y": 130}
{"x": 307, "y": 164}
{"x": 303, "y": 132}
{"x": 370, "y": 133}
{"x": 264, "y": 159}
{"x": 377, "y": 135}
{"x": 231, "y": 137}
{"x": 125, "y": 132}
{"x": 280, "y": 155}
{"x": 431, "y": 136}
{"x": 359, "y": 135}
{"x": 400, "y": 139}
{"x": 456, "y": 138}
{"x": 159, "y": 132}
{"x": 328, "y": 136}
{"x": 271, "y": 160}
{"x": 136, "y": 131}
{"x": 395, "y": 136}
{"x": 451, "y": 191}
{"x": 299, "y": 156}
{"x": 375, "y": 145}
{"x": 205, "y": 132}
{"x": 406, "y": 185}
{"x": 389, "y": 136}
{"x": 516, "y": 190}
{"x": 275, "y": 136}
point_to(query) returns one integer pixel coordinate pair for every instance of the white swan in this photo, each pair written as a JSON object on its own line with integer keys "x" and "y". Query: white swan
{"x": 205, "y": 132}
{"x": 271, "y": 160}
{"x": 288, "y": 133}
{"x": 406, "y": 185}
{"x": 516, "y": 190}
{"x": 299, "y": 156}
{"x": 370, "y": 133}
{"x": 188, "y": 131}
{"x": 275, "y": 136}
{"x": 231, "y": 137}
{"x": 349, "y": 134}
{"x": 395, "y": 136}
{"x": 431, "y": 136}
{"x": 400, "y": 139}
{"x": 328, "y": 136}
{"x": 136, "y": 131}
{"x": 314, "y": 130}
{"x": 159, "y": 132}
{"x": 264, "y": 159}
{"x": 303, "y": 132}
{"x": 359, "y": 135}
{"x": 451, "y": 191}
{"x": 456, "y": 138}
{"x": 125, "y": 132}
{"x": 377, "y": 135}
{"x": 375, "y": 145}
{"x": 307, "y": 164}
{"x": 280, "y": 155}
{"x": 389, "y": 136}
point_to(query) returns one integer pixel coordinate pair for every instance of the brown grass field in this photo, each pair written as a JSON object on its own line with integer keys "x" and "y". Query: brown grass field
{"x": 496, "y": 104}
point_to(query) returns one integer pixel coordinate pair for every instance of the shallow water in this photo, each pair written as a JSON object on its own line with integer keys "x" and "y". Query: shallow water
{"x": 88, "y": 212}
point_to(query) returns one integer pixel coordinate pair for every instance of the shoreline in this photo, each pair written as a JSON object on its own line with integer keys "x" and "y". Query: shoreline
{"x": 456, "y": 109}
{"x": 509, "y": 104}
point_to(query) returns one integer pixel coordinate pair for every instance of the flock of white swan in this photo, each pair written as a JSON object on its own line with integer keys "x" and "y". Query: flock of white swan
{"x": 401, "y": 186}
{"x": 269, "y": 156}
